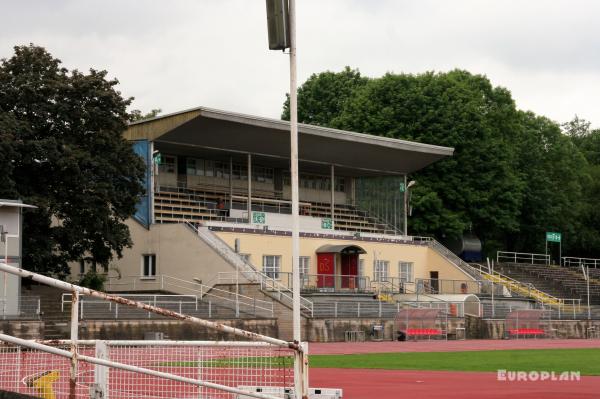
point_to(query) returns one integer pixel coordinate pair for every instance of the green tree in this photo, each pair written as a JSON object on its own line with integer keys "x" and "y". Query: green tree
{"x": 555, "y": 173}
{"x": 478, "y": 187}
{"x": 137, "y": 115}
{"x": 588, "y": 142}
{"x": 322, "y": 97}
{"x": 67, "y": 157}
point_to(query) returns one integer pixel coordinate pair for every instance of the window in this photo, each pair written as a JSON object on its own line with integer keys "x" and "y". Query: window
{"x": 304, "y": 266}
{"x": 222, "y": 170}
{"x": 81, "y": 267}
{"x": 361, "y": 267}
{"x": 271, "y": 265}
{"x": 149, "y": 265}
{"x": 262, "y": 174}
{"x": 168, "y": 165}
{"x": 380, "y": 270}
{"x": 209, "y": 168}
{"x": 195, "y": 167}
{"x": 406, "y": 272}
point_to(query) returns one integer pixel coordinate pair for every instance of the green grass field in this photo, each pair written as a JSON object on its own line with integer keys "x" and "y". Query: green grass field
{"x": 587, "y": 361}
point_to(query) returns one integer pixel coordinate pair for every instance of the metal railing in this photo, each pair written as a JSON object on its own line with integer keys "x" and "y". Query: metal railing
{"x": 270, "y": 285}
{"x": 570, "y": 261}
{"x": 25, "y": 308}
{"x": 328, "y": 282}
{"x": 444, "y": 286}
{"x": 526, "y": 289}
{"x": 233, "y": 300}
{"x": 522, "y": 257}
{"x": 381, "y": 309}
{"x": 450, "y": 256}
{"x": 248, "y": 271}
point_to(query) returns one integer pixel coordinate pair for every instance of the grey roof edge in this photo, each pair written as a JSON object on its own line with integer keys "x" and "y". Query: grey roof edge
{"x": 15, "y": 203}
{"x": 310, "y": 129}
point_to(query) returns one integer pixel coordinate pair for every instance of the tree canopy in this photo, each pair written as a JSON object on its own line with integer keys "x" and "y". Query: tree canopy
{"x": 514, "y": 175}
{"x": 62, "y": 150}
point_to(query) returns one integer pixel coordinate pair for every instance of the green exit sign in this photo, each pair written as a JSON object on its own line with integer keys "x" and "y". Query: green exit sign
{"x": 402, "y": 187}
{"x": 553, "y": 236}
{"x": 327, "y": 224}
{"x": 258, "y": 218}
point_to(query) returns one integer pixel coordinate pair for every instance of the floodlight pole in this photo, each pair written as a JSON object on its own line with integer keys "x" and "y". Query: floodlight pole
{"x": 299, "y": 361}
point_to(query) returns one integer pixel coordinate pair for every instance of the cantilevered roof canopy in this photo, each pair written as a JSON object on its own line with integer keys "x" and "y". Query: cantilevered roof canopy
{"x": 215, "y": 130}
{"x": 339, "y": 249}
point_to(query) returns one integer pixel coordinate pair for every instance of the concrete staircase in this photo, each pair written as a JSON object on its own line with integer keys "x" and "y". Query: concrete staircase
{"x": 269, "y": 286}
{"x": 56, "y": 322}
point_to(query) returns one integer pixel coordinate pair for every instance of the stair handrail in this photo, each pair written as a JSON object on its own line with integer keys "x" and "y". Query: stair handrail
{"x": 248, "y": 270}
{"x": 530, "y": 288}
{"x": 451, "y": 257}
{"x": 162, "y": 282}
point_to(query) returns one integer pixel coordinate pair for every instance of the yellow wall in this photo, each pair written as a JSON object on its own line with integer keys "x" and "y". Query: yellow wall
{"x": 424, "y": 258}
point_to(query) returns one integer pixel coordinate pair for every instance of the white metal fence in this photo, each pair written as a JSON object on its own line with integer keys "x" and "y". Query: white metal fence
{"x": 28, "y": 308}
{"x": 221, "y": 374}
{"x": 208, "y": 297}
{"x": 522, "y": 257}
{"x": 570, "y": 261}
{"x": 143, "y": 369}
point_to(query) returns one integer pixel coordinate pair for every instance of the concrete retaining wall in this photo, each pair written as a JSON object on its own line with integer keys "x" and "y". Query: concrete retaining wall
{"x": 23, "y": 329}
{"x": 495, "y": 329}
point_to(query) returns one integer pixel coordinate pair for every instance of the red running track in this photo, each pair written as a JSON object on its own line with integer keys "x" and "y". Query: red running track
{"x": 388, "y": 384}
{"x": 394, "y": 384}
{"x": 340, "y": 348}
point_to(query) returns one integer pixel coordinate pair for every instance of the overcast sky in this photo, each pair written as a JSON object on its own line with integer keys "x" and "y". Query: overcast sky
{"x": 180, "y": 54}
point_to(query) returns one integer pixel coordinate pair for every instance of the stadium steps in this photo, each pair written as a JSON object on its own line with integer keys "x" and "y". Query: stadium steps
{"x": 274, "y": 289}
{"x": 569, "y": 281}
{"x": 56, "y": 322}
{"x": 179, "y": 205}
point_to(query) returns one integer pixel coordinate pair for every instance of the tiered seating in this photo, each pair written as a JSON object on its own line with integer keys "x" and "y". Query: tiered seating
{"x": 173, "y": 205}
{"x": 562, "y": 282}
{"x": 349, "y": 218}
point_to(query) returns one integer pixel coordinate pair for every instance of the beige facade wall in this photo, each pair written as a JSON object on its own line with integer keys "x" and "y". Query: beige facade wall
{"x": 424, "y": 259}
{"x": 179, "y": 253}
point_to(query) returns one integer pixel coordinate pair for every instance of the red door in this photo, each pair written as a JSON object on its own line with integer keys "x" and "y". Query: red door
{"x": 349, "y": 270}
{"x": 325, "y": 270}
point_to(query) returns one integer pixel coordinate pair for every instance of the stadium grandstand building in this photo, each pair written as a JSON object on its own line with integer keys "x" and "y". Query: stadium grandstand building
{"x": 217, "y": 213}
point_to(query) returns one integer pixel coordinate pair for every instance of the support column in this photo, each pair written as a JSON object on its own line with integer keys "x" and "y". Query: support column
{"x": 249, "y": 188}
{"x": 405, "y": 207}
{"x": 230, "y": 185}
{"x": 332, "y": 192}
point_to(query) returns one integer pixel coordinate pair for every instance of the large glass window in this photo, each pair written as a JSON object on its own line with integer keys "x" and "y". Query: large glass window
{"x": 380, "y": 270}
{"x": 272, "y": 265}
{"x": 406, "y": 272}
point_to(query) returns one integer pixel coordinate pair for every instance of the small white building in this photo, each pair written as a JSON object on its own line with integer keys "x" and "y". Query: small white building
{"x": 11, "y": 221}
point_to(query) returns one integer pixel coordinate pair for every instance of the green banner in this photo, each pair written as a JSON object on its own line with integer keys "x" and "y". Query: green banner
{"x": 552, "y": 236}
{"x": 327, "y": 224}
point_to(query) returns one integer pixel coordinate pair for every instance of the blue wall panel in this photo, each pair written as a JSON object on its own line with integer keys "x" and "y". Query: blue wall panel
{"x": 142, "y": 213}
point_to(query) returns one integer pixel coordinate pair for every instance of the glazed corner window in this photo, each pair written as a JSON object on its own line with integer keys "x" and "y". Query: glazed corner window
{"x": 272, "y": 266}
{"x": 168, "y": 164}
{"x": 149, "y": 265}
{"x": 406, "y": 272}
